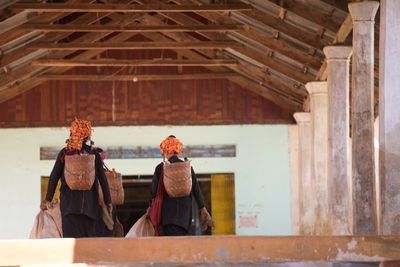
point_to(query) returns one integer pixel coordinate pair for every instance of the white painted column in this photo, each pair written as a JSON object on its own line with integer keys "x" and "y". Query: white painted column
{"x": 362, "y": 118}
{"x": 306, "y": 196}
{"x": 293, "y": 135}
{"x": 338, "y": 58}
{"x": 389, "y": 116}
{"x": 319, "y": 124}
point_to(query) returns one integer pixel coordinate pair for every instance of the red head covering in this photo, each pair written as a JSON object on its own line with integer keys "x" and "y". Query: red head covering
{"x": 79, "y": 131}
{"x": 171, "y": 145}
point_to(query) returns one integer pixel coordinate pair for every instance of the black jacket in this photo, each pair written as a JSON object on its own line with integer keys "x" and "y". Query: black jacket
{"x": 177, "y": 211}
{"x": 76, "y": 201}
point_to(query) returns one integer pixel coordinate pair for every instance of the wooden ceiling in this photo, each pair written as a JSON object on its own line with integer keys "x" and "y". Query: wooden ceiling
{"x": 269, "y": 47}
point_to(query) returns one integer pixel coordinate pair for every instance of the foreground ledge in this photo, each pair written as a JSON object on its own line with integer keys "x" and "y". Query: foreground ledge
{"x": 191, "y": 250}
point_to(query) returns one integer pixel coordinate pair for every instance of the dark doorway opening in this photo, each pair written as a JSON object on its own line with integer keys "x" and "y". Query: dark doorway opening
{"x": 137, "y": 196}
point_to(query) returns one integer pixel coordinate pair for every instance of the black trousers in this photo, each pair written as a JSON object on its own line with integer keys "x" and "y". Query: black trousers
{"x": 174, "y": 230}
{"x": 78, "y": 225}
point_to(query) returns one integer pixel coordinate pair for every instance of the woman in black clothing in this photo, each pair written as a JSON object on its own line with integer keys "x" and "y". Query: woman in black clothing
{"x": 176, "y": 212}
{"x": 79, "y": 208}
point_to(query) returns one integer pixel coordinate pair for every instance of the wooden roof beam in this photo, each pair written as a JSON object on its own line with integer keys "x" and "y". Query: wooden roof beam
{"x": 280, "y": 26}
{"x": 18, "y": 31}
{"x": 264, "y": 59}
{"x": 138, "y": 78}
{"x": 275, "y": 44}
{"x": 133, "y": 29}
{"x": 22, "y": 51}
{"x": 254, "y": 84}
{"x": 13, "y": 83}
{"x": 310, "y": 14}
{"x": 128, "y": 63}
{"x": 133, "y": 45}
{"x": 344, "y": 31}
{"x": 339, "y": 4}
{"x": 50, "y": 7}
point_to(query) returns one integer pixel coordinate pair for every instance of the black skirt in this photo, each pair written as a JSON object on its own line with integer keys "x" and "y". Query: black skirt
{"x": 78, "y": 225}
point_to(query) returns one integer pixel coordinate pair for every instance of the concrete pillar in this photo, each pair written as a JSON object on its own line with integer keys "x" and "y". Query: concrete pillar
{"x": 306, "y": 196}
{"x": 362, "y": 118}
{"x": 319, "y": 124}
{"x": 338, "y": 58}
{"x": 293, "y": 134}
{"x": 389, "y": 116}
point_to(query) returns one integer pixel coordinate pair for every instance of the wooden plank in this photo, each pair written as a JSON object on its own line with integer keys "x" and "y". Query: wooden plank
{"x": 342, "y": 34}
{"x": 279, "y": 25}
{"x": 138, "y": 78}
{"x": 271, "y": 62}
{"x": 279, "y": 66}
{"x": 23, "y": 86}
{"x": 123, "y": 62}
{"x": 339, "y": 4}
{"x": 133, "y": 29}
{"x": 50, "y": 7}
{"x": 133, "y": 45}
{"x": 22, "y": 51}
{"x": 269, "y": 92}
{"x": 273, "y": 95}
{"x": 18, "y": 32}
{"x": 310, "y": 14}
{"x": 264, "y": 78}
{"x": 277, "y": 45}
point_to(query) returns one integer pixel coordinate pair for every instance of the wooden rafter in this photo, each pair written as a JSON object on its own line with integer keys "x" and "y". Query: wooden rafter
{"x": 133, "y": 29}
{"x": 280, "y": 26}
{"x": 17, "y": 86}
{"x": 127, "y": 63}
{"x": 133, "y": 45}
{"x": 344, "y": 31}
{"x": 18, "y": 31}
{"x": 50, "y": 7}
{"x": 310, "y": 14}
{"x": 339, "y": 4}
{"x": 89, "y": 18}
{"x": 251, "y": 83}
{"x": 246, "y": 51}
{"x": 138, "y": 78}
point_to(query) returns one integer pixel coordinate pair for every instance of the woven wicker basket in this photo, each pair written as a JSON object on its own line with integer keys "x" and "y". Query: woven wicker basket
{"x": 178, "y": 179}
{"x": 114, "y": 180}
{"x": 79, "y": 171}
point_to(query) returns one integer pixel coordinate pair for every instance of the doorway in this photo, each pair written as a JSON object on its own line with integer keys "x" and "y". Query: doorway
{"x": 219, "y": 197}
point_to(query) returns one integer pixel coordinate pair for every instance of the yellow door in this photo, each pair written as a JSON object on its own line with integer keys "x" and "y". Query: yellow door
{"x": 44, "y": 184}
{"x": 223, "y": 204}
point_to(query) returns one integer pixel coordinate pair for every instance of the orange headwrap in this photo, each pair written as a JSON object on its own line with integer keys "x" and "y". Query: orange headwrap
{"x": 79, "y": 131}
{"x": 171, "y": 145}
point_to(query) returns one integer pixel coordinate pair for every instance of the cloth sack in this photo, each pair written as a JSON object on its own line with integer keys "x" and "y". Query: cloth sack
{"x": 143, "y": 227}
{"x": 47, "y": 224}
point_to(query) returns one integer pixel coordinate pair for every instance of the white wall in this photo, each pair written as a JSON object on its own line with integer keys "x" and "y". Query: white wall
{"x": 261, "y": 169}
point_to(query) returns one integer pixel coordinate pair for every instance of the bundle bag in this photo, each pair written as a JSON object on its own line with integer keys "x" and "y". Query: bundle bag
{"x": 178, "y": 178}
{"x": 79, "y": 171}
{"x": 47, "y": 223}
{"x": 141, "y": 228}
{"x": 114, "y": 180}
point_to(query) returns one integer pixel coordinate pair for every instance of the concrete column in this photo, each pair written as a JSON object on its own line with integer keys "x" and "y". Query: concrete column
{"x": 319, "y": 124}
{"x": 338, "y": 58}
{"x": 306, "y": 196}
{"x": 362, "y": 118}
{"x": 389, "y": 116}
{"x": 293, "y": 134}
